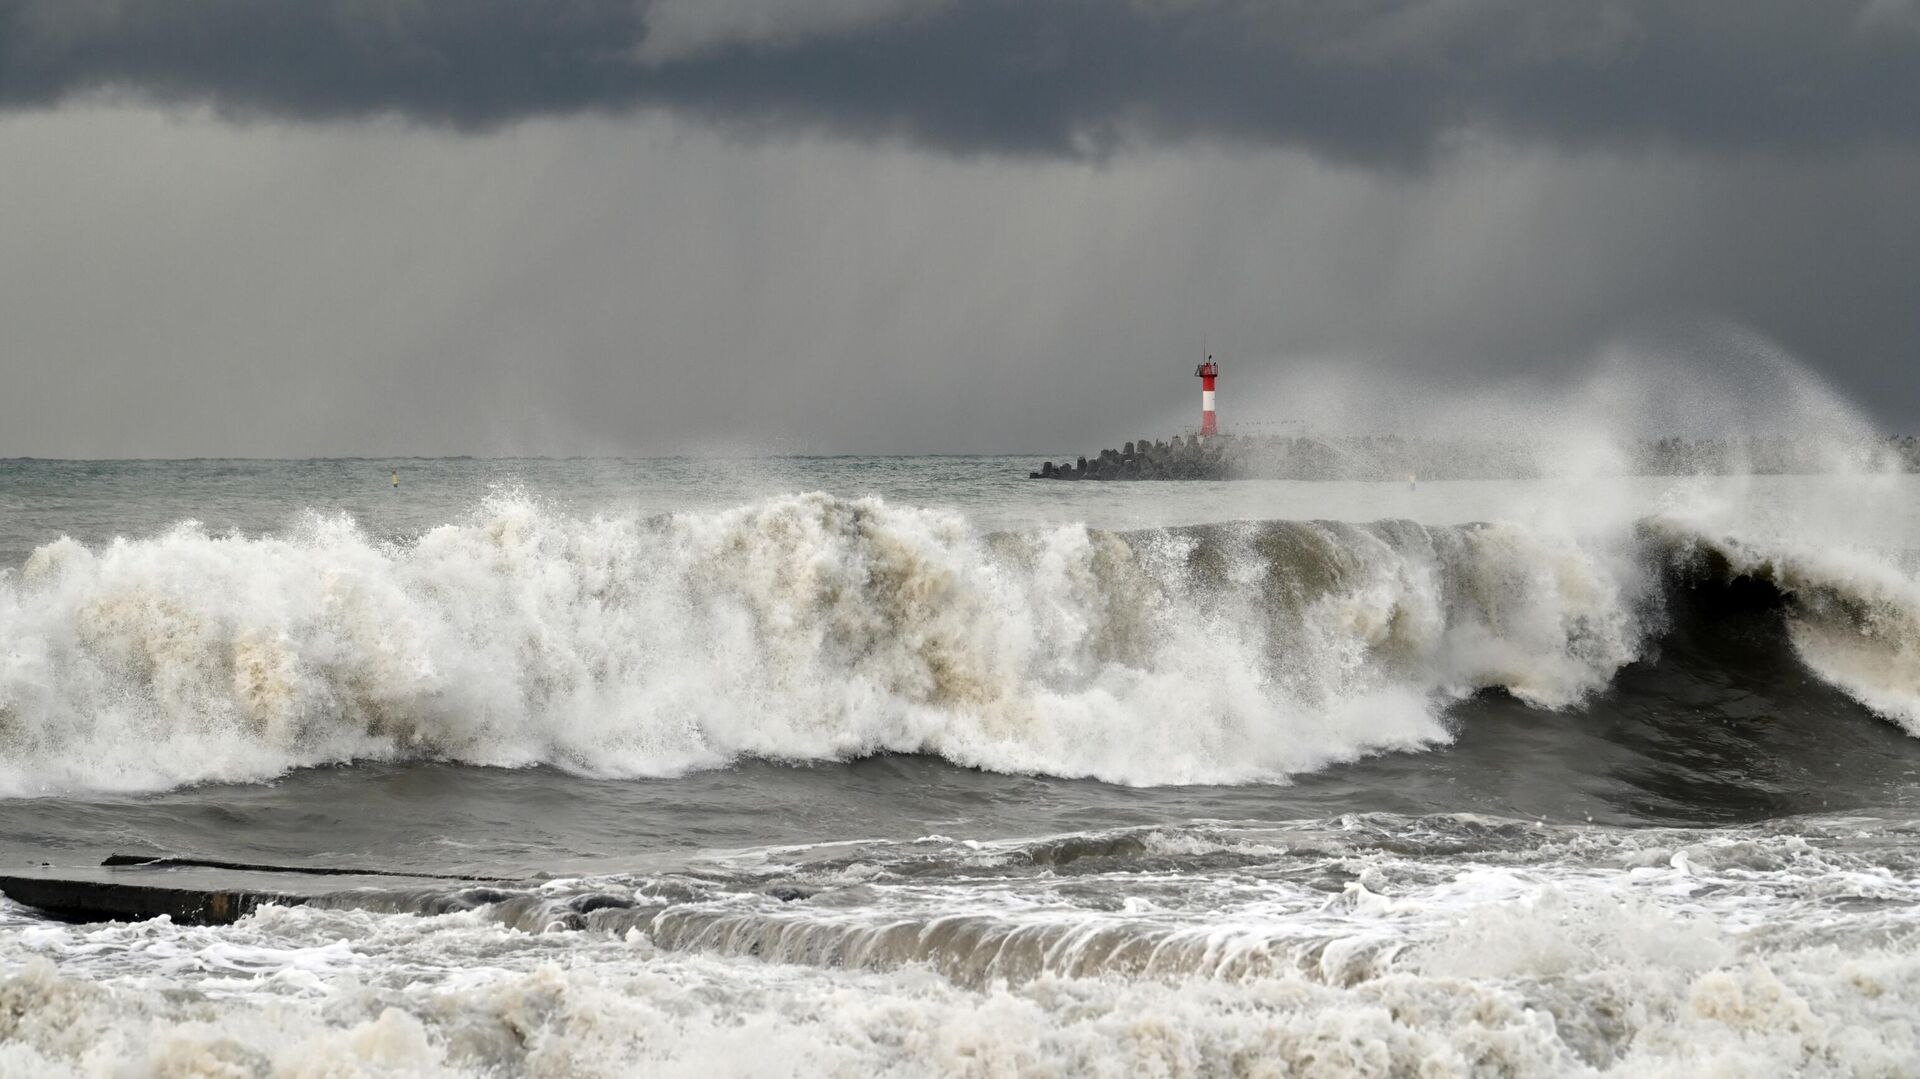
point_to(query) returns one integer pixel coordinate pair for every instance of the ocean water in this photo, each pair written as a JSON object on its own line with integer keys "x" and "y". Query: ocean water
{"x": 861, "y": 766}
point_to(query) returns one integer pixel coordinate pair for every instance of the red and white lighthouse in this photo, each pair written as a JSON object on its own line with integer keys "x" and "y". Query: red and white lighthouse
{"x": 1207, "y": 372}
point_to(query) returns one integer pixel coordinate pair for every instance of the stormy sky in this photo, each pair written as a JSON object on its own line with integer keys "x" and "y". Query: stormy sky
{"x": 311, "y": 227}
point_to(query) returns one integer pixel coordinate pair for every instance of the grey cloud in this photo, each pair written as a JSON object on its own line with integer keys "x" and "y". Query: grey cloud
{"x": 1370, "y": 81}
{"x": 175, "y": 286}
{"x": 684, "y": 29}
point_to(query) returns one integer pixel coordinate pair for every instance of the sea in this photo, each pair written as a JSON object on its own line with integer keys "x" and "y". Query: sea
{"x": 914, "y": 766}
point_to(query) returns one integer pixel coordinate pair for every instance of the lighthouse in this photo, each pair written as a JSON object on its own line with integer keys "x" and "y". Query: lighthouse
{"x": 1207, "y": 372}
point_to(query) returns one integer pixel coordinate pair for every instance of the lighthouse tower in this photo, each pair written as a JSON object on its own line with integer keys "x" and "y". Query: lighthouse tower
{"x": 1207, "y": 372}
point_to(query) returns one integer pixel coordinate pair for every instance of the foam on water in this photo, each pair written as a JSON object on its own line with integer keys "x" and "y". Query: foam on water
{"x": 1525, "y": 951}
{"x": 804, "y": 628}
{"x": 812, "y": 627}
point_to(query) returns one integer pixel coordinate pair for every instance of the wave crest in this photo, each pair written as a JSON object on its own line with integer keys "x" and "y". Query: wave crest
{"x": 805, "y": 627}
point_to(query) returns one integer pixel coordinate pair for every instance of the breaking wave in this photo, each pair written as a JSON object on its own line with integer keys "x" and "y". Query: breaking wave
{"x": 1372, "y": 945}
{"x": 811, "y": 627}
{"x": 1853, "y": 617}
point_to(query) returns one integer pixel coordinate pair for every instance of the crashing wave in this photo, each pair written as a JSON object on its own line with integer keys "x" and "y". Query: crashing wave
{"x": 811, "y": 627}
{"x": 1852, "y": 615}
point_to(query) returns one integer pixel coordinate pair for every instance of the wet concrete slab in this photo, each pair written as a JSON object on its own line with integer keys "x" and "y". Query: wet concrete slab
{"x": 203, "y": 894}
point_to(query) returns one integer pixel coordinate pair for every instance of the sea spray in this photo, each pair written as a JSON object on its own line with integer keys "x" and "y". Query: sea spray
{"x": 804, "y": 627}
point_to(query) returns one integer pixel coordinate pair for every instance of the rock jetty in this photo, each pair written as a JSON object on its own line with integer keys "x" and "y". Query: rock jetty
{"x": 1392, "y": 457}
{"x": 1182, "y": 458}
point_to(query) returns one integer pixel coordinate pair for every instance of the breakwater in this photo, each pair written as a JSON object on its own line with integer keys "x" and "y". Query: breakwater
{"x": 1183, "y": 458}
{"x": 1394, "y": 457}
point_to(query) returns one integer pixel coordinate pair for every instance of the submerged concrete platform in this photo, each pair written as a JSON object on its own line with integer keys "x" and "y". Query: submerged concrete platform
{"x": 204, "y": 893}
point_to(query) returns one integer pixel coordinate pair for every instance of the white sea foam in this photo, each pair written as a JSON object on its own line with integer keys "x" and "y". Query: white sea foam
{"x": 1569, "y": 951}
{"x": 811, "y": 627}
{"x": 805, "y": 627}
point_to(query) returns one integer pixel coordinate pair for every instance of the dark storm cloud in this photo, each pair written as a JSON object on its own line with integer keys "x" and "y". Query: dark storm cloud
{"x": 1368, "y": 80}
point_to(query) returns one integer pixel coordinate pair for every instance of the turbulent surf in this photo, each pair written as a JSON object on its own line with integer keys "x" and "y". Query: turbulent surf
{"x": 922, "y": 772}
{"x": 815, "y": 627}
